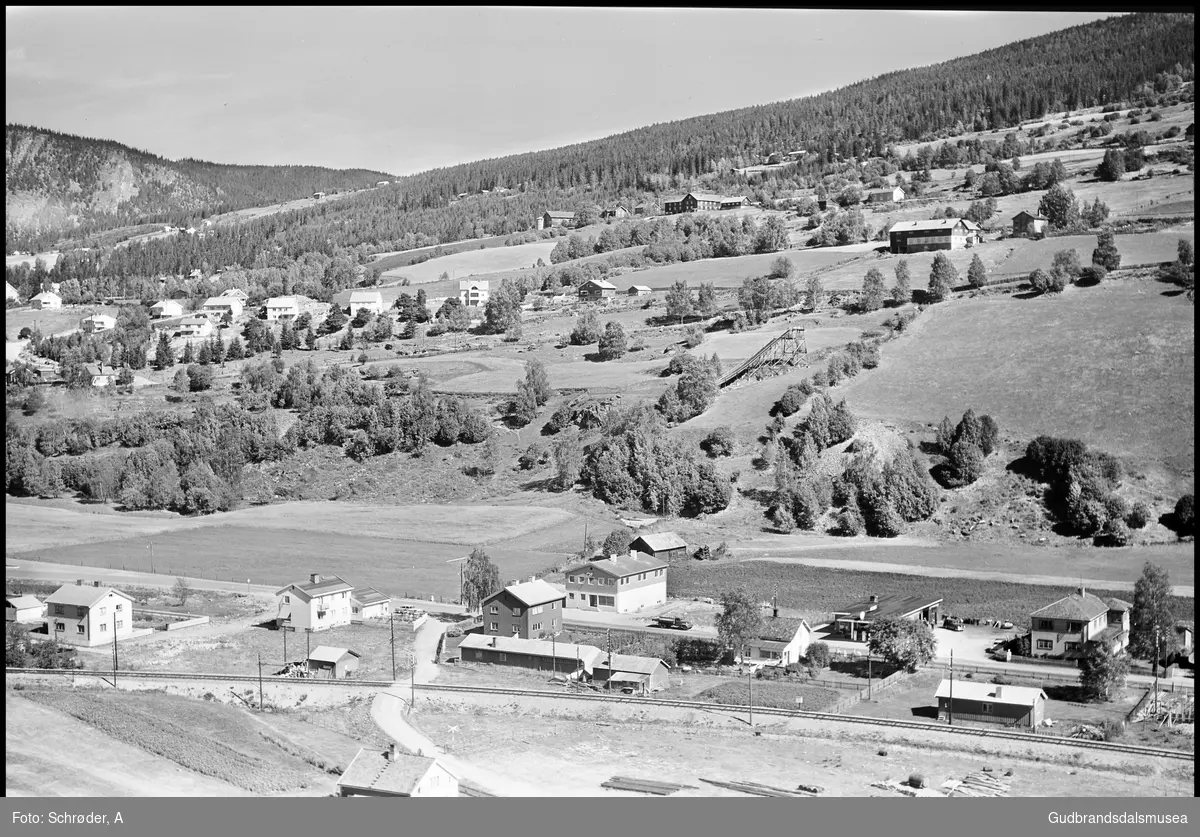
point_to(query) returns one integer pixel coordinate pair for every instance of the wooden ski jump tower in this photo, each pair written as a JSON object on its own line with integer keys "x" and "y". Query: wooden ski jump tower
{"x": 786, "y": 351}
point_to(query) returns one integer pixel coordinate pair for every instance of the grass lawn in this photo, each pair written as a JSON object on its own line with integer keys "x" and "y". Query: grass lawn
{"x": 778, "y": 695}
{"x": 51, "y": 321}
{"x": 210, "y": 603}
{"x": 472, "y": 262}
{"x": 1112, "y": 365}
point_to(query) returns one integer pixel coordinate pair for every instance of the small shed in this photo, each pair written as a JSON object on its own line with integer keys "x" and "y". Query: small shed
{"x": 369, "y": 603}
{"x": 989, "y": 703}
{"x": 644, "y": 674}
{"x": 22, "y": 608}
{"x": 1029, "y": 225}
{"x": 334, "y": 663}
{"x": 639, "y": 290}
{"x": 664, "y": 545}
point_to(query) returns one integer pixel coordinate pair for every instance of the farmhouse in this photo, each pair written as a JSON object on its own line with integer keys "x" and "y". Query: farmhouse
{"x": 647, "y": 208}
{"x": 10, "y": 292}
{"x": 617, "y": 211}
{"x": 390, "y": 773}
{"x": 371, "y": 300}
{"x": 664, "y": 545}
{"x": 780, "y": 641}
{"x": 97, "y": 323}
{"x": 23, "y": 608}
{"x": 639, "y": 290}
{"x": 101, "y": 375}
{"x": 369, "y": 603}
{"x": 473, "y": 294}
{"x": 556, "y": 218}
{"x": 692, "y": 201}
{"x": 1065, "y": 628}
{"x": 524, "y": 610}
{"x": 594, "y": 290}
{"x": 538, "y": 654}
{"x": 320, "y": 604}
{"x": 734, "y": 202}
{"x": 166, "y": 308}
{"x": 894, "y": 195}
{"x": 989, "y": 703}
{"x": 195, "y": 327}
{"x": 283, "y": 308}
{"x": 88, "y": 616}
{"x": 939, "y": 234}
{"x": 622, "y": 671}
{"x": 219, "y": 306}
{"x": 617, "y": 584}
{"x": 1029, "y": 225}
{"x": 854, "y": 622}
{"x": 333, "y": 663}
{"x": 46, "y": 300}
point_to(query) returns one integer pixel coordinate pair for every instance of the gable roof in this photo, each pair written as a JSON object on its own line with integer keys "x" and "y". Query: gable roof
{"x": 629, "y": 662}
{"x": 81, "y": 596}
{"x": 781, "y": 628}
{"x": 329, "y": 654}
{"x": 639, "y": 288}
{"x": 559, "y": 213}
{"x": 163, "y": 303}
{"x": 1012, "y": 695}
{"x": 1032, "y": 215}
{"x": 369, "y": 596}
{"x": 468, "y": 284}
{"x": 22, "y": 601}
{"x": 96, "y": 317}
{"x": 707, "y": 196}
{"x": 221, "y": 302}
{"x": 586, "y": 654}
{"x": 375, "y": 771}
{"x": 662, "y": 540}
{"x": 1082, "y": 606}
{"x": 599, "y": 283}
{"x": 620, "y": 566}
{"x": 48, "y": 295}
{"x": 673, "y": 198}
{"x": 196, "y": 319}
{"x": 1118, "y": 604}
{"x": 282, "y": 302}
{"x": 935, "y": 224}
{"x": 98, "y": 369}
{"x": 325, "y": 586}
{"x": 365, "y": 296}
{"x": 531, "y": 593}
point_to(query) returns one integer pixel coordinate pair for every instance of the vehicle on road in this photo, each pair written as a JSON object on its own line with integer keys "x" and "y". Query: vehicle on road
{"x": 953, "y": 623}
{"x": 673, "y": 622}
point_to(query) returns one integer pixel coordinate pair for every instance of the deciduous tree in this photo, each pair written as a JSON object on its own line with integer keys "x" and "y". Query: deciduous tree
{"x": 905, "y": 643}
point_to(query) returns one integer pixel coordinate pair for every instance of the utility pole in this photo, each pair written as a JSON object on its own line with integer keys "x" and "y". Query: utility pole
{"x": 750, "y": 683}
{"x": 1156, "y": 659}
{"x": 307, "y": 648}
{"x": 285, "y": 656}
{"x": 585, "y": 528}
{"x": 115, "y": 660}
{"x": 868, "y": 675}
{"x": 392, "y": 622}
{"x": 152, "y": 556}
{"x": 412, "y": 683}
{"x": 950, "y": 710}
{"x": 260, "y": 689}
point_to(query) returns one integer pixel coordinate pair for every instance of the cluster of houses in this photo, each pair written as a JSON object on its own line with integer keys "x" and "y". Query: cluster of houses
{"x": 325, "y": 602}
{"x": 75, "y": 614}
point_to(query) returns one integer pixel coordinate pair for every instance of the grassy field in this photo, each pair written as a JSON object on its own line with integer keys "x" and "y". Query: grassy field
{"x": 208, "y": 738}
{"x": 815, "y": 592}
{"x": 51, "y": 321}
{"x": 475, "y": 262}
{"x": 200, "y": 602}
{"x": 776, "y": 695}
{"x": 1112, "y": 365}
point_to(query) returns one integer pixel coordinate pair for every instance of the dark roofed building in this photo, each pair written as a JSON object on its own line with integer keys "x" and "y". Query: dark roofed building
{"x": 988, "y": 703}
{"x": 620, "y": 671}
{"x": 1029, "y": 225}
{"x": 392, "y": 773}
{"x": 854, "y": 622}
{"x": 525, "y": 610}
{"x": 664, "y": 545}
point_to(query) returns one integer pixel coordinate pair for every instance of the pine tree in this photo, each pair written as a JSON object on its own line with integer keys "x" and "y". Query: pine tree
{"x": 189, "y": 354}
{"x": 164, "y": 357}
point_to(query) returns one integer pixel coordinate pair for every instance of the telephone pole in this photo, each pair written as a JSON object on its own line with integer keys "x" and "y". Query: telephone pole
{"x": 412, "y": 683}
{"x": 285, "y": 656}
{"x": 392, "y": 622}
{"x": 307, "y": 648}
{"x": 750, "y": 683}
{"x": 260, "y": 689}
{"x": 115, "y": 659}
{"x": 950, "y": 709}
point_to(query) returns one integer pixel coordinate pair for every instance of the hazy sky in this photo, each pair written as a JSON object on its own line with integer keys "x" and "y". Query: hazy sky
{"x": 407, "y": 89}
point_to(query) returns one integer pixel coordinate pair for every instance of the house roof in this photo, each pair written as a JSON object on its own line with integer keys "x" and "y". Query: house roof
{"x": 373, "y": 770}
{"x": 329, "y": 654}
{"x": 587, "y": 654}
{"x": 1035, "y": 216}
{"x": 282, "y": 302}
{"x": 646, "y": 203}
{"x": 630, "y": 663}
{"x": 781, "y": 628}
{"x": 47, "y": 295}
{"x": 887, "y": 607}
{"x": 194, "y": 320}
{"x": 1082, "y": 606}
{"x": 94, "y": 317}
{"x": 707, "y": 196}
{"x": 936, "y": 224}
{"x": 332, "y": 584}
{"x": 369, "y": 596}
{"x": 558, "y": 213}
{"x": 163, "y": 303}
{"x": 660, "y": 541}
{"x": 1118, "y": 604}
{"x": 735, "y": 198}
{"x": 599, "y": 283}
{"x": 220, "y": 302}
{"x": 627, "y": 677}
{"x": 673, "y": 198}
{"x": 640, "y": 287}
{"x": 467, "y": 284}
{"x": 97, "y": 369}
{"x": 79, "y": 595}
{"x": 620, "y": 566}
{"x": 531, "y": 593}
{"x": 366, "y": 296}
{"x": 1011, "y": 695}
{"x": 22, "y": 601}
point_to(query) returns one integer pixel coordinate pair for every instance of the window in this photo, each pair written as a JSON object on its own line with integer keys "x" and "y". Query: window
{"x": 495, "y": 626}
{"x": 103, "y": 627}
{"x": 79, "y": 628}
{"x": 516, "y": 629}
{"x": 287, "y": 599}
{"x": 987, "y": 709}
{"x": 59, "y": 626}
{"x": 120, "y": 624}
{"x": 320, "y": 614}
{"x": 479, "y": 655}
{"x": 536, "y": 626}
{"x": 571, "y": 596}
{"x": 1072, "y": 646}
{"x": 503, "y": 658}
{"x": 571, "y": 579}
{"x": 516, "y": 611}
{"x": 1045, "y": 644}
{"x": 1046, "y": 624}
{"x": 495, "y": 610}
{"x": 538, "y": 609}
{"x": 58, "y": 610}
{"x": 120, "y": 607}
{"x": 590, "y": 580}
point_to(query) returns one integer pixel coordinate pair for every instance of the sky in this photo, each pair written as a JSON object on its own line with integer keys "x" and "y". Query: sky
{"x": 402, "y": 90}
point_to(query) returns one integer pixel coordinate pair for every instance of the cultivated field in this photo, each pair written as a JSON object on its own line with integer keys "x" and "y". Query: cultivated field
{"x": 470, "y": 263}
{"x": 51, "y": 321}
{"x": 1112, "y": 365}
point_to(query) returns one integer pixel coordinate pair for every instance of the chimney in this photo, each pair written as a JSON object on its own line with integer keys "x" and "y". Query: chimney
{"x": 1082, "y": 592}
{"x": 533, "y": 578}
{"x": 493, "y": 642}
{"x": 79, "y": 582}
{"x": 391, "y": 753}
{"x": 874, "y": 599}
{"x": 514, "y": 582}
{"x": 95, "y": 583}
{"x": 999, "y": 692}
{"x": 314, "y": 578}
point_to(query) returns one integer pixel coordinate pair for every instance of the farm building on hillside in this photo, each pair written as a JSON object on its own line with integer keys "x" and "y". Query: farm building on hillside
{"x": 320, "y": 604}
{"x": 735, "y": 202}
{"x": 854, "y": 622}
{"x": 1029, "y": 225}
{"x": 218, "y": 306}
{"x": 940, "y": 234}
{"x": 623, "y": 671}
{"x": 639, "y": 290}
{"x": 371, "y": 300}
{"x": 893, "y": 195}
{"x": 391, "y": 773}
{"x": 594, "y": 290}
{"x": 369, "y": 603}
{"x": 538, "y": 654}
{"x": 1066, "y": 627}
{"x": 283, "y": 308}
{"x": 23, "y": 608}
{"x": 663, "y": 545}
{"x": 555, "y": 218}
{"x": 989, "y": 703}
{"x": 46, "y": 300}
{"x": 690, "y": 202}
{"x": 101, "y": 375}
{"x": 473, "y": 294}
{"x": 647, "y": 208}
{"x": 333, "y": 663}
{"x": 97, "y": 323}
{"x": 524, "y": 610}
{"x": 195, "y": 327}
{"x": 10, "y": 292}
{"x": 166, "y": 308}
{"x": 781, "y": 641}
{"x": 88, "y": 616}
{"x": 617, "y": 211}
{"x": 617, "y": 584}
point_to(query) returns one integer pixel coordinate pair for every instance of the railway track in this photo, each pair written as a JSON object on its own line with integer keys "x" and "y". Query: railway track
{"x": 695, "y": 706}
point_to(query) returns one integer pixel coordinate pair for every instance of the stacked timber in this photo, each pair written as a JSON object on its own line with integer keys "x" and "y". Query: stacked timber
{"x": 650, "y": 786}
{"x": 758, "y": 789}
{"x": 981, "y": 784}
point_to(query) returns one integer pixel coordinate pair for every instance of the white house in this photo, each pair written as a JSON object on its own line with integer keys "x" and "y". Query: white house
{"x": 369, "y": 603}
{"x": 10, "y": 292}
{"x": 166, "y": 308}
{"x": 639, "y": 290}
{"x": 88, "y": 616}
{"x": 238, "y": 294}
{"x": 23, "y": 608}
{"x": 282, "y": 308}
{"x": 46, "y": 299}
{"x": 97, "y": 323}
{"x": 473, "y": 294}
{"x": 195, "y": 327}
{"x": 780, "y": 641}
{"x": 101, "y": 374}
{"x": 219, "y": 306}
{"x": 320, "y": 604}
{"x": 391, "y": 773}
{"x": 617, "y": 584}
{"x": 371, "y": 300}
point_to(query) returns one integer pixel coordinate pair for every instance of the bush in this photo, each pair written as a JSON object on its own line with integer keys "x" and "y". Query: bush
{"x": 719, "y": 442}
{"x": 818, "y": 656}
{"x": 1138, "y": 516}
{"x": 916, "y": 780}
{"x": 1185, "y": 515}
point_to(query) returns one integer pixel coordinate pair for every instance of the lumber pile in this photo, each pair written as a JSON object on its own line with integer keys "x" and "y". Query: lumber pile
{"x": 980, "y": 784}
{"x": 900, "y": 787}
{"x": 650, "y": 786}
{"x": 758, "y": 789}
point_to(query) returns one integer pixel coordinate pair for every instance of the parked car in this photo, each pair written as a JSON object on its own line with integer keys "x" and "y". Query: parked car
{"x": 952, "y": 623}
